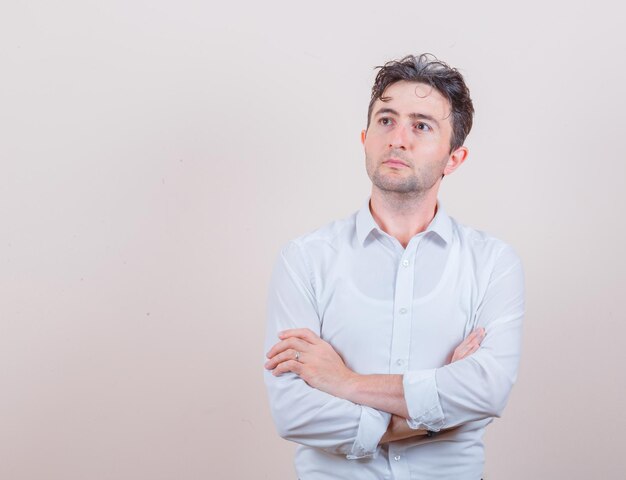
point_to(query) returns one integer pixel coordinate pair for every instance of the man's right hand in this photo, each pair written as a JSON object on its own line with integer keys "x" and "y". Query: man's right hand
{"x": 469, "y": 345}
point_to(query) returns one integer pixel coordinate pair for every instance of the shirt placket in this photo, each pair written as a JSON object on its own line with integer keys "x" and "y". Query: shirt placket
{"x": 401, "y": 339}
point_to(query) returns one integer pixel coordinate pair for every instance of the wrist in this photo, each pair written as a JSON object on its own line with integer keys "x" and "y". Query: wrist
{"x": 350, "y": 386}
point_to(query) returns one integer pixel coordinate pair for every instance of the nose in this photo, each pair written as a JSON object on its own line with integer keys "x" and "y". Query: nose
{"x": 399, "y": 138}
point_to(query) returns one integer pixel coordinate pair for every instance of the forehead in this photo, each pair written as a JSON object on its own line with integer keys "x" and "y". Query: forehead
{"x": 413, "y": 97}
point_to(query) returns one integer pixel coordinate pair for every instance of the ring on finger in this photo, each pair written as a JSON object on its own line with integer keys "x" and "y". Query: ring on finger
{"x": 297, "y": 356}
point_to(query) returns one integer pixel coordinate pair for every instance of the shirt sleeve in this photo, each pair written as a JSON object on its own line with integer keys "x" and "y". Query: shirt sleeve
{"x": 301, "y": 413}
{"x": 478, "y": 386}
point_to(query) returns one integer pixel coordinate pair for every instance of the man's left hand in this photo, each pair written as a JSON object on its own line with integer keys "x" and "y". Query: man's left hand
{"x": 314, "y": 360}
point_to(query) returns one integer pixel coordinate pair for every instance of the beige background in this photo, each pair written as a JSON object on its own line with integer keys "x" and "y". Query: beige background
{"x": 155, "y": 155}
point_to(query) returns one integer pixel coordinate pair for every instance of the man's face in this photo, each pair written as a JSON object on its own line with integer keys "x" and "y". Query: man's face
{"x": 407, "y": 144}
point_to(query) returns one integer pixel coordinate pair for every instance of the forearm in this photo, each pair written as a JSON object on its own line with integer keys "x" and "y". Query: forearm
{"x": 335, "y": 426}
{"x": 470, "y": 390}
{"x": 476, "y": 389}
{"x": 385, "y": 393}
{"x": 382, "y": 392}
{"x": 398, "y": 429}
{"x": 316, "y": 419}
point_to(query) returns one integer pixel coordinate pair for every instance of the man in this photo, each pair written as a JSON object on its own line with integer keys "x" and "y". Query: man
{"x": 394, "y": 335}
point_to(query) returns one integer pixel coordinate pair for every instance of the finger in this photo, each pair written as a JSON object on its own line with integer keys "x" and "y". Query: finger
{"x": 288, "y": 366}
{"x": 471, "y": 349}
{"x": 463, "y": 351}
{"x": 285, "y": 356}
{"x": 293, "y": 343}
{"x": 468, "y": 352}
{"x": 303, "y": 333}
{"x": 474, "y": 333}
{"x": 477, "y": 335}
{"x": 472, "y": 336}
{"x": 458, "y": 354}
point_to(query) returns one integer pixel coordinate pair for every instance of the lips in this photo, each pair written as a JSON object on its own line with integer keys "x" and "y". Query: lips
{"x": 394, "y": 162}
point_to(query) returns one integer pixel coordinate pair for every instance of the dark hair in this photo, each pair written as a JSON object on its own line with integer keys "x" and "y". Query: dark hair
{"x": 448, "y": 81}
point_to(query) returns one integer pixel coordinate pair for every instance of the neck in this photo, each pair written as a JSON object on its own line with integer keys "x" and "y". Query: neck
{"x": 403, "y": 215}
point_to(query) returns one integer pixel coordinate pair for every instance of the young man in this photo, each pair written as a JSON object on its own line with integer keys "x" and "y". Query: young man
{"x": 394, "y": 335}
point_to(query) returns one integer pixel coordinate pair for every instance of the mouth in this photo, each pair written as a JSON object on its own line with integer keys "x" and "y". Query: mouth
{"x": 394, "y": 162}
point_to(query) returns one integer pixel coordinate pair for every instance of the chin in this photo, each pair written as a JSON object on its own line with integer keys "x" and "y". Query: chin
{"x": 398, "y": 187}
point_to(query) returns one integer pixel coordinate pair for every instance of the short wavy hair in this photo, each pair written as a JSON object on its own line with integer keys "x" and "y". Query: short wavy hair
{"x": 427, "y": 69}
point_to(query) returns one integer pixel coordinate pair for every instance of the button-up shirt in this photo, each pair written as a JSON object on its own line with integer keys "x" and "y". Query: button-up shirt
{"x": 392, "y": 310}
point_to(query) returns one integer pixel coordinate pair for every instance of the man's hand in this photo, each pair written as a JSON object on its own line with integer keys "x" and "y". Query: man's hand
{"x": 469, "y": 345}
{"x": 315, "y": 361}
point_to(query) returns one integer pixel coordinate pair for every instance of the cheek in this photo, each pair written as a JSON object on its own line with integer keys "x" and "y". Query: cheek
{"x": 432, "y": 148}
{"x": 370, "y": 152}
{"x": 374, "y": 140}
{"x": 368, "y": 164}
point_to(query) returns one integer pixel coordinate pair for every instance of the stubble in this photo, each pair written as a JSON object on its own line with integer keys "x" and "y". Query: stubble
{"x": 413, "y": 185}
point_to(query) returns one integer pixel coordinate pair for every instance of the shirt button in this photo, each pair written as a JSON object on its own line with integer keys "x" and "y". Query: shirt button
{"x": 403, "y": 310}
{"x": 397, "y": 458}
{"x": 405, "y": 263}
{"x": 399, "y": 361}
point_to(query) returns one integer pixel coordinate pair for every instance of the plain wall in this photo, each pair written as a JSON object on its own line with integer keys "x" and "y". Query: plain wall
{"x": 155, "y": 155}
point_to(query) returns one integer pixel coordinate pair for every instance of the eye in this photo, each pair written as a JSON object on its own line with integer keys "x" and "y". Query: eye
{"x": 385, "y": 121}
{"x": 424, "y": 127}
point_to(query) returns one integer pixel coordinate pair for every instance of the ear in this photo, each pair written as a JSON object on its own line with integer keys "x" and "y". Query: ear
{"x": 457, "y": 157}
{"x": 363, "y": 135}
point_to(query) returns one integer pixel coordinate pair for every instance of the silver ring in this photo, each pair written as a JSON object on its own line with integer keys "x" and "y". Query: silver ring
{"x": 297, "y": 356}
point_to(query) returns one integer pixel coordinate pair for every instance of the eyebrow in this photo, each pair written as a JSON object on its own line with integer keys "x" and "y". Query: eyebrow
{"x": 412, "y": 116}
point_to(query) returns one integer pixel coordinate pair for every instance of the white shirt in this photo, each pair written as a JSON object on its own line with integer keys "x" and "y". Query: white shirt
{"x": 390, "y": 310}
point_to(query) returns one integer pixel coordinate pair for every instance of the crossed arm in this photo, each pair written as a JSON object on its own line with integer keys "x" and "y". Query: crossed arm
{"x": 304, "y": 353}
{"x": 317, "y": 401}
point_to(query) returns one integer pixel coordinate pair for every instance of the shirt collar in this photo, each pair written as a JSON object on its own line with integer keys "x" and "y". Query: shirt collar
{"x": 441, "y": 223}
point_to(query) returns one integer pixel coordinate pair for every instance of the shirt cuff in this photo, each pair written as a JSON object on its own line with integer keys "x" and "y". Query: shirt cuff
{"x": 422, "y": 400}
{"x": 372, "y": 426}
